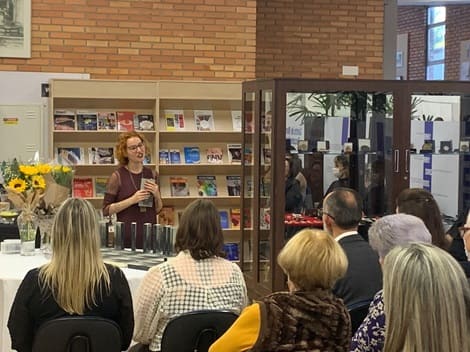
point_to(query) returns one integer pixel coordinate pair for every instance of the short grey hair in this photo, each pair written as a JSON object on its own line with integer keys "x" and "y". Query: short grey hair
{"x": 397, "y": 230}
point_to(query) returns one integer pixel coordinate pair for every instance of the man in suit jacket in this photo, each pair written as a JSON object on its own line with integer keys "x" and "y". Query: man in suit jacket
{"x": 342, "y": 211}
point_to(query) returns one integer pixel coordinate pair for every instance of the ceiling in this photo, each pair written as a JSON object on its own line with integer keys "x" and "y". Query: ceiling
{"x": 432, "y": 2}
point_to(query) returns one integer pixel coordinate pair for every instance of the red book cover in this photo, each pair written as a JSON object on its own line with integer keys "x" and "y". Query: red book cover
{"x": 125, "y": 120}
{"x": 82, "y": 187}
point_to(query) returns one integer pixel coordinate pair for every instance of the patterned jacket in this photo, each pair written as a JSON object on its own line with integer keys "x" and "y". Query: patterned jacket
{"x": 183, "y": 284}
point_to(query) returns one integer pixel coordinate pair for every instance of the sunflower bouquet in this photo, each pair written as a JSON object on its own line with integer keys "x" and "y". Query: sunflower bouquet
{"x": 39, "y": 187}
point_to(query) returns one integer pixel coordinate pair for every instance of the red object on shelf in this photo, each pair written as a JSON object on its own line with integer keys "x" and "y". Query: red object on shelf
{"x": 302, "y": 220}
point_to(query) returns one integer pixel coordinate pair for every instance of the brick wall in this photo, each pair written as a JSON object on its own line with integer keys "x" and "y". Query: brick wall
{"x": 314, "y": 39}
{"x": 412, "y": 20}
{"x": 142, "y": 39}
{"x": 457, "y": 30}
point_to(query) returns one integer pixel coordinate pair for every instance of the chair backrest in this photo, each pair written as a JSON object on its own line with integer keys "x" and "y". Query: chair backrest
{"x": 78, "y": 334}
{"x": 196, "y": 331}
{"x": 358, "y": 311}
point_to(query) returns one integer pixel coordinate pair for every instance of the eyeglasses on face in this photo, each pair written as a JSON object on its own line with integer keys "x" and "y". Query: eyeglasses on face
{"x": 321, "y": 213}
{"x": 135, "y": 147}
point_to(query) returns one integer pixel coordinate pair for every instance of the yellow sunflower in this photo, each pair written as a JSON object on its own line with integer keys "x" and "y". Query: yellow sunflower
{"x": 44, "y": 168}
{"x": 38, "y": 182}
{"x": 17, "y": 184}
{"x": 28, "y": 170}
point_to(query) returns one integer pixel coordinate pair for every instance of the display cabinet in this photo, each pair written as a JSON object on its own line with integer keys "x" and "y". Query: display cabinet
{"x": 394, "y": 134}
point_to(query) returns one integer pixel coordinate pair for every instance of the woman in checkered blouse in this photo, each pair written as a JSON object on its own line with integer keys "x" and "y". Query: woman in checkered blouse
{"x": 197, "y": 278}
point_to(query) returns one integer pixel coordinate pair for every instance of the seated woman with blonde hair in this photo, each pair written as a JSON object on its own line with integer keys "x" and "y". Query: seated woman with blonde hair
{"x": 308, "y": 317}
{"x": 426, "y": 299}
{"x": 75, "y": 282}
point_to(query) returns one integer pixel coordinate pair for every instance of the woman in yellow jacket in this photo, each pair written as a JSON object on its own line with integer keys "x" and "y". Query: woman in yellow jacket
{"x": 306, "y": 318}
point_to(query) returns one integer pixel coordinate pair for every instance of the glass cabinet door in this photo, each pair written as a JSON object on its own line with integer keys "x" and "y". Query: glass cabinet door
{"x": 265, "y": 145}
{"x": 249, "y": 201}
{"x": 340, "y": 138}
{"x": 439, "y": 149}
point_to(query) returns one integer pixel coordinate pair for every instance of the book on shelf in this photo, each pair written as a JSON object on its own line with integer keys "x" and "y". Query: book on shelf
{"x": 248, "y": 155}
{"x": 235, "y": 218}
{"x": 231, "y": 251}
{"x": 265, "y": 187}
{"x": 224, "y": 219}
{"x": 248, "y": 188}
{"x": 234, "y": 153}
{"x": 236, "y": 120}
{"x": 247, "y": 218}
{"x": 100, "y": 185}
{"x": 167, "y": 216}
{"x": 101, "y": 155}
{"x": 69, "y": 156}
{"x": 164, "y": 156}
{"x": 266, "y": 121}
{"x": 175, "y": 156}
{"x": 147, "y": 158}
{"x": 82, "y": 187}
{"x": 179, "y": 186}
{"x": 206, "y": 186}
{"x": 265, "y": 218}
{"x": 107, "y": 121}
{"x": 266, "y": 155}
{"x": 204, "y": 120}
{"x": 87, "y": 120}
{"x": 192, "y": 155}
{"x": 125, "y": 120}
{"x": 214, "y": 155}
{"x": 147, "y": 202}
{"x": 64, "y": 120}
{"x": 249, "y": 123}
{"x": 144, "y": 122}
{"x": 174, "y": 120}
{"x": 233, "y": 185}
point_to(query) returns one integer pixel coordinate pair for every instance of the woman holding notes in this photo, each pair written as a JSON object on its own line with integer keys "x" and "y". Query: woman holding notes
{"x": 132, "y": 191}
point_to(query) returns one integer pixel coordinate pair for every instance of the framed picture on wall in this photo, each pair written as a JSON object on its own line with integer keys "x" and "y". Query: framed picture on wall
{"x": 15, "y": 28}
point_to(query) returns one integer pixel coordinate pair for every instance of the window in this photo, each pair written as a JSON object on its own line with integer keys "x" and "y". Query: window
{"x": 436, "y": 48}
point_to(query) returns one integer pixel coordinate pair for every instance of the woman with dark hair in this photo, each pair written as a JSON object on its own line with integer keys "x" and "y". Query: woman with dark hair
{"x": 130, "y": 186}
{"x": 341, "y": 172}
{"x": 421, "y": 203}
{"x": 197, "y": 278}
{"x": 293, "y": 192}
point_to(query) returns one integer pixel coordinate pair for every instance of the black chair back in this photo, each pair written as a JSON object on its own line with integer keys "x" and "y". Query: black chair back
{"x": 358, "y": 311}
{"x": 196, "y": 331}
{"x": 78, "y": 334}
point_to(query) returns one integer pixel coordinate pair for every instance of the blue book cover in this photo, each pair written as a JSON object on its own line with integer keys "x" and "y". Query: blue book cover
{"x": 224, "y": 219}
{"x": 164, "y": 156}
{"x": 175, "y": 156}
{"x": 192, "y": 155}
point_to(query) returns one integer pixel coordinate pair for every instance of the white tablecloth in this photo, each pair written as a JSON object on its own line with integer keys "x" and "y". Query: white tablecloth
{"x": 13, "y": 267}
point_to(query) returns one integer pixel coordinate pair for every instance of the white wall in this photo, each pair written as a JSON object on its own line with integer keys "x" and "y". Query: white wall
{"x": 20, "y": 99}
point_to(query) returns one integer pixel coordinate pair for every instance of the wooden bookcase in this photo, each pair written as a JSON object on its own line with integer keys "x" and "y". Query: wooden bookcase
{"x": 220, "y": 98}
{"x": 156, "y": 97}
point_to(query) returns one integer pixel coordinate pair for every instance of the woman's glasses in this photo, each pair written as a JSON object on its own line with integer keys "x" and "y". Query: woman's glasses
{"x": 135, "y": 147}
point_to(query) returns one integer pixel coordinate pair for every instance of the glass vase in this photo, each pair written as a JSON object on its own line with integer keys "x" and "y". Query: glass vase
{"x": 27, "y": 223}
{"x": 45, "y": 226}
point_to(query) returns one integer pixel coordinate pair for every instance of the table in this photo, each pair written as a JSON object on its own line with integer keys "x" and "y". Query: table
{"x": 13, "y": 267}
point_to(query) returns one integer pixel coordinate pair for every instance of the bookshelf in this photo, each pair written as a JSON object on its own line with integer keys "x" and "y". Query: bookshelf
{"x": 185, "y": 98}
{"x": 218, "y": 100}
{"x": 93, "y": 97}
